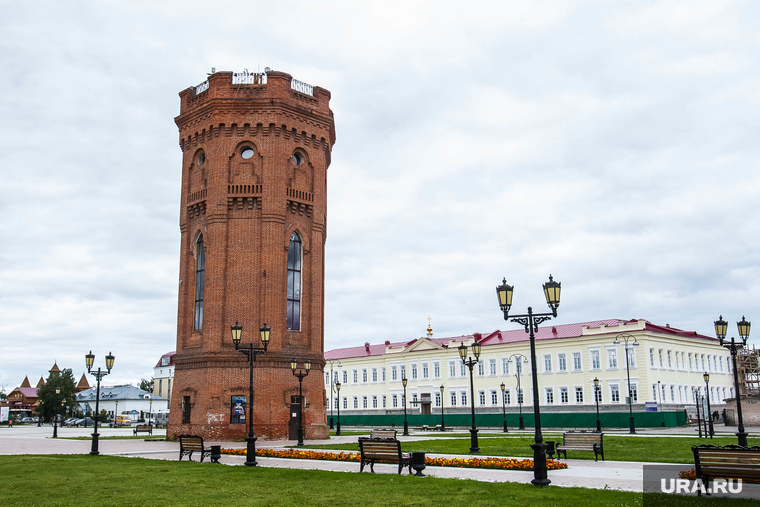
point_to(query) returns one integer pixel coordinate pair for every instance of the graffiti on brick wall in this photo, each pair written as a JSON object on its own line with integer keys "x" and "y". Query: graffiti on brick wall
{"x": 212, "y": 418}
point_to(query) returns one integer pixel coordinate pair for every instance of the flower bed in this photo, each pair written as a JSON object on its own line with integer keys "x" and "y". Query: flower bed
{"x": 494, "y": 463}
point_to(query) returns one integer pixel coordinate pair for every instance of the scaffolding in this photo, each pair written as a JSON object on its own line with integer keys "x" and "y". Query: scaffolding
{"x": 748, "y": 368}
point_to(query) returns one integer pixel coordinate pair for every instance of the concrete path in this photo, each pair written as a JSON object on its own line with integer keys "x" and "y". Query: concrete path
{"x": 619, "y": 475}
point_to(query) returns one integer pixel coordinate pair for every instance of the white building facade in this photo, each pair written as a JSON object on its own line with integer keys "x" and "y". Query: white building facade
{"x": 666, "y": 367}
{"x": 123, "y": 400}
{"x": 163, "y": 376}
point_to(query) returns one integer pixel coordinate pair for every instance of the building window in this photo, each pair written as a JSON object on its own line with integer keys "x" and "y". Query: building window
{"x": 414, "y": 371}
{"x": 547, "y": 363}
{"x": 651, "y": 358}
{"x": 595, "y": 362}
{"x": 507, "y": 400}
{"x": 356, "y": 402}
{"x": 614, "y": 393}
{"x": 425, "y": 370}
{"x": 691, "y": 367}
{"x": 673, "y": 393}
{"x": 165, "y": 361}
{"x": 382, "y": 374}
{"x": 462, "y": 370}
{"x": 599, "y": 393}
{"x": 237, "y": 409}
{"x": 482, "y": 398}
{"x": 394, "y": 373}
{"x": 453, "y": 398}
{"x": 374, "y": 374}
{"x": 519, "y": 362}
{"x": 394, "y": 401}
{"x": 364, "y": 375}
{"x": 186, "y": 410}
{"x": 612, "y": 358}
{"x": 670, "y": 360}
{"x": 632, "y": 357}
{"x": 464, "y": 398}
{"x": 383, "y": 401}
{"x": 563, "y": 395}
{"x": 345, "y": 403}
{"x": 452, "y": 368}
{"x": 520, "y": 395}
{"x": 504, "y": 366}
{"x": 294, "y": 283}
{"x": 494, "y": 398}
{"x": 436, "y": 369}
{"x": 562, "y": 362}
{"x": 578, "y": 395}
{"x": 327, "y": 378}
{"x": 437, "y": 399}
{"x": 654, "y": 392}
{"x": 374, "y": 402}
{"x": 659, "y": 353}
{"x": 336, "y": 404}
{"x": 703, "y": 362}
{"x": 492, "y": 367}
{"x": 200, "y": 273}
{"x": 577, "y": 366}
{"x": 481, "y": 368}
{"x": 160, "y": 387}
{"x": 634, "y": 392}
{"x": 345, "y": 377}
{"x": 403, "y": 371}
{"x": 549, "y": 396}
{"x": 355, "y": 376}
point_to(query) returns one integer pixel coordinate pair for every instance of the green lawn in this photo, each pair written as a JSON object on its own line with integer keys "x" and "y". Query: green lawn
{"x": 105, "y": 480}
{"x": 616, "y": 448}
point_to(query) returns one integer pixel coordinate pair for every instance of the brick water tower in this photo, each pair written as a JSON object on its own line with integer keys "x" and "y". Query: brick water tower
{"x": 255, "y": 153}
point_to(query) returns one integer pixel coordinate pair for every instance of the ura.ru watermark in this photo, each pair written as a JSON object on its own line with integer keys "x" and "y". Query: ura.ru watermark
{"x": 697, "y": 486}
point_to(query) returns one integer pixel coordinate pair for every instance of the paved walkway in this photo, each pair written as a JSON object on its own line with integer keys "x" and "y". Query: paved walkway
{"x": 619, "y": 475}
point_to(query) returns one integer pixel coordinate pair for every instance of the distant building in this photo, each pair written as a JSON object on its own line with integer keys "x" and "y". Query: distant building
{"x": 163, "y": 375}
{"x": 123, "y": 400}
{"x": 23, "y": 400}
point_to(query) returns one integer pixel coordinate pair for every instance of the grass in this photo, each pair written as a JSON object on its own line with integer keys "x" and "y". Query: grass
{"x": 617, "y": 448}
{"x": 107, "y": 480}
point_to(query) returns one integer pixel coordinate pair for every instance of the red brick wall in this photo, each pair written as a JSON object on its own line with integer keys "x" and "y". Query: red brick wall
{"x": 246, "y": 211}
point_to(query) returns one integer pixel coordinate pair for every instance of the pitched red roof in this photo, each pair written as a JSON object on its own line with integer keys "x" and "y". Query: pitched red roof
{"x": 545, "y": 332}
{"x": 26, "y": 383}
{"x": 171, "y": 359}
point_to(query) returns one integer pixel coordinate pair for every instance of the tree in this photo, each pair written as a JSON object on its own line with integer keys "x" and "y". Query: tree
{"x": 146, "y": 385}
{"x": 50, "y": 401}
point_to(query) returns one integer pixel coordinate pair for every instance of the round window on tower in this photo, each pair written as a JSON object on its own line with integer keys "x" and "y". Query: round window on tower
{"x": 200, "y": 159}
{"x": 246, "y": 152}
{"x": 298, "y": 158}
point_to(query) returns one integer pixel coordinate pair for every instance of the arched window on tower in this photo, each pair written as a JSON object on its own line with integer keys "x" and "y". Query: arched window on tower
{"x": 200, "y": 271}
{"x": 294, "y": 283}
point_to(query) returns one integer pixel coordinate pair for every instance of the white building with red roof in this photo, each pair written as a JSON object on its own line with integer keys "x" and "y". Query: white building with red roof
{"x": 163, "y": 375}
{"x": 666, "y": 367}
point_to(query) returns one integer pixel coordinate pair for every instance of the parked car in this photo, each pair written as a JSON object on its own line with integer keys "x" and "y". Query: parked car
{"x": 121, "y": 420}
{"x": 28, "y": 420}
{"x": 69, "y": 421}
{"x": 85, "y": 421}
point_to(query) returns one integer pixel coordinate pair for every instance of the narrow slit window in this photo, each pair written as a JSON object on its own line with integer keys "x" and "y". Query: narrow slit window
{"x": 200, "y": 271}
{"x": 294, "y": 283}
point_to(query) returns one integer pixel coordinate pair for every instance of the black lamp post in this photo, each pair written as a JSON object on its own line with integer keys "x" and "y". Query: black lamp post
{"x": 406, "y": 424}
{"x": 519, "y": 361}
{"x": 337, "y": 428}
{"x": 332, "y": 388}
{"x": 470, "y": 363}
{"x": 635, "y": 343}
{"x": 89, "y": 360}
{"x": 596, "y": 398}
{"x": 695, "y": 393}
{"x": 709, "y": 418}
{"x": 251, "y": 352}
{"x": 301, "y": 375}
{"x": 150, "y": 413}
{"x": 504, "y": 404}
{"x": 443, "y": 425}
{"x": 55, "y": 415}
{"x": 531, "y": 321}
{"x": 733, "y": 346}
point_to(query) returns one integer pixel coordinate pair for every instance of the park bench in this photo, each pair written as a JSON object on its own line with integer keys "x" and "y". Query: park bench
{"x": 191, "y": 443}
{"x": 382, "y": 449}
{"x": 727, "y": 462}
{"x": 582, "y": 441}
{"x": 384, "y": 433}
{"x": 143, "y": 428}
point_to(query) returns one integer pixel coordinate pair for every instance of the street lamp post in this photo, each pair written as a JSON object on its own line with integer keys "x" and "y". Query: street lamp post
{"x": 251, "y": 352}
{"x": 406, "y": 424}
{"x": 519, "y": 361}
{"x": 709, "y": 418}
{"x": 55, "y": 414}
{"x": 301, "y": 375}
{"x": 470, "y": 363}
{"x": 733, "y": 346}
{"x": 635, "y": 343}
{"x": 531, "y": 321}
{"x": 443, "y": 424}
{"x": 150, "y": 414}
{"x": 89, "y": 360}
{"x": 504, "y": 404}
{"x": 332, "y": 387}
{"x": 337, "y": 428}
{"x": 596, "y": 398}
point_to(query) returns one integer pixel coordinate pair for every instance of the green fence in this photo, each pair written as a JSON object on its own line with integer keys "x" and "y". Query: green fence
{"x": 548, "y": 420}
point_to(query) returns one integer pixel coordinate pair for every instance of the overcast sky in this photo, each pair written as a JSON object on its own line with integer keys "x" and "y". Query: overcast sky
{"x": 611, "y": 144}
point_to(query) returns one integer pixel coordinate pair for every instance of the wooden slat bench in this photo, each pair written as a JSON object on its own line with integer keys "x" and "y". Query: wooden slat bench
{"x": 382, "y": 449}
{"x": 143, "y": 428}
{"x": 191, "y": 443}
{"x": 727, "y": 462}
{"x": 383, "y": 433}
{"x": 582, "y": 441}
